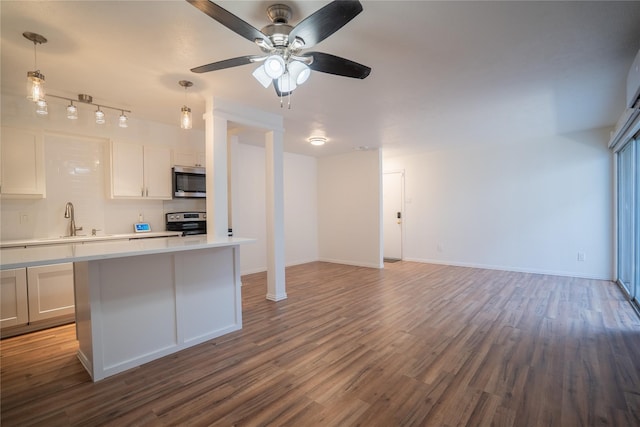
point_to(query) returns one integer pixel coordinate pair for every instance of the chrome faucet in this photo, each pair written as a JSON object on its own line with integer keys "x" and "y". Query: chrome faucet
{"x": 68, "y": 213}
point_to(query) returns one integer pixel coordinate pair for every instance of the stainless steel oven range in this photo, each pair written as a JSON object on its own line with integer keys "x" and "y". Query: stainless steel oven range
{"x": 187, "y": 222}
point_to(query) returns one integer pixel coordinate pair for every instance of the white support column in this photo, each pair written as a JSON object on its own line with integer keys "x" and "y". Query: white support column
{"x": 276, "y": 288}
{"x": 216, "y": 163}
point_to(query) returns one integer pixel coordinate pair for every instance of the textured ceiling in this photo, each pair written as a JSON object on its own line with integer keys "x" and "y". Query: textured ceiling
{"x": 443, "y": 73}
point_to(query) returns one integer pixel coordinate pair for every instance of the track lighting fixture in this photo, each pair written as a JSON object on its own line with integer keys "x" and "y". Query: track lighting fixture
{"x": 83, "y": 98}
{"x": 35, "y": 92}
{"x": 186, "y": 121}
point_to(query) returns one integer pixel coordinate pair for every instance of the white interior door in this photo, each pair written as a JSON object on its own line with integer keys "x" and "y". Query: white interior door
{"x": 392, "y": 214}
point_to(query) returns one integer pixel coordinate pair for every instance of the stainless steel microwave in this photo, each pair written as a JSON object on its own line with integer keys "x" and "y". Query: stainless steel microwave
{"x": 188, "y": 182}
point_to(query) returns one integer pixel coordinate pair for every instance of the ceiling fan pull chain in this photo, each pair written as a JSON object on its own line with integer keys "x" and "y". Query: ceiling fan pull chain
{"x": 290, "y": 92}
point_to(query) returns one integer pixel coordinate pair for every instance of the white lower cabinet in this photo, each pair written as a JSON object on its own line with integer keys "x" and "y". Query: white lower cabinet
{"x": 50, "y": 290}
{"x": 39, "y": 296}
{"x": 14, "y": 309}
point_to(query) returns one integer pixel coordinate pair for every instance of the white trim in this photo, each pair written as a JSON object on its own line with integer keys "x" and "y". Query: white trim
{"x": 507, "y": 268}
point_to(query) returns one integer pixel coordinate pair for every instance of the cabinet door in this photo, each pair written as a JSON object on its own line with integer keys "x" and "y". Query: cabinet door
{"x": 201, "y": 159}
{"x": 14, "y": 310}
{"x": 51, "y": 291}
{"x": 157, "y": 172}
{"x": 22, "y": 163}
{"x": 185, "y": 158}
{"x": 189, "y": 158}
{"x": 127, "y": 173}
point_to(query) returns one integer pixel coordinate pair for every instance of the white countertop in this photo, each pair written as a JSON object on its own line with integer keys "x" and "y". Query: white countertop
{"x": 18, "y": 257}
{"x": 83, "y": 239}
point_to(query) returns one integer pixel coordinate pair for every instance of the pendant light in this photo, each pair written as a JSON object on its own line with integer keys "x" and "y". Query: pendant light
{"x": 35, "y": 79}
{"x": 72, "y": 111}
{"x": 100, "y": 116}
{"x": 122, "y": 120}
{"x": 41, "y": 108}
{"x": 186, "y": 121}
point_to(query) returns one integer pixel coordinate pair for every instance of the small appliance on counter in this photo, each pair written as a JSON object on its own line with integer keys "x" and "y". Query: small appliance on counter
{"x": 187, "y": 222}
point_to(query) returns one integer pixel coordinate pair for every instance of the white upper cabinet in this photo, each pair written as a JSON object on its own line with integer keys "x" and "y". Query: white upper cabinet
{"x": 140, "y": 171}
{"x": 189, "y": 158}
{"x": 22, "y": 171}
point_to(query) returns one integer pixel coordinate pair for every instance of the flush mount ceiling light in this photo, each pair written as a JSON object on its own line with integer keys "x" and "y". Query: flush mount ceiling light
{"x": 186, "y": 122}
{"x": 317, "y": 140}
{"x": 35, "y": 79}
{"x": 282, "y": 60}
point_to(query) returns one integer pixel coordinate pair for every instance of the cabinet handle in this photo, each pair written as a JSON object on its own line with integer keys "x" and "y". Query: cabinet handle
{"x": 147, "y": 192}
{"x": 142, "y": 191}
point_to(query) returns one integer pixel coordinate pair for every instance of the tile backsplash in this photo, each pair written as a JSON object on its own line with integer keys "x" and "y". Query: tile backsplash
{"x": 76, "y": 172}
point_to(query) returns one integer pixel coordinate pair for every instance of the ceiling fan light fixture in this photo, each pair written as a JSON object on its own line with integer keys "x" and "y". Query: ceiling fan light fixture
{"x": 299, "y": 71}
{"x": 286, "y": 83}
{"x": 261, "y": 76}
{"x": 274, "y": 66}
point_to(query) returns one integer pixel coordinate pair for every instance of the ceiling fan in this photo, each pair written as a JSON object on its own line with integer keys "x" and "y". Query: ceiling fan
{"x": 283, "y": 61}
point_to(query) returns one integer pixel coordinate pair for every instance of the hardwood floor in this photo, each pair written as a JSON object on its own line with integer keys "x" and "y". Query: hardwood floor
{"x": 413, "y": 344}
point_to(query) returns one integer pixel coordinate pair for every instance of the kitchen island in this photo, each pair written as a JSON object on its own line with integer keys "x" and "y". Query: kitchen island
{"x": 140, "y": 300}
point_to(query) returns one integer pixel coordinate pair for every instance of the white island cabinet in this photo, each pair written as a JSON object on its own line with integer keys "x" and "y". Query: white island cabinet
{"x": 14, "y": 306}
{"x": 140, "y": 300}
{"x": 40, "y": 297}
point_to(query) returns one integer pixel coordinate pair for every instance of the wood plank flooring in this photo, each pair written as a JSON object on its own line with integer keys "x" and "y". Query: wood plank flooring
{"x": 411, "y": 345}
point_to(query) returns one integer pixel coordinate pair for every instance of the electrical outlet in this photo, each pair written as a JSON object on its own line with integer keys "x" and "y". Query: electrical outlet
{"x": 439, "y": 247}
{"x": 24, "y": 218}
{"x": 581, "y": 256}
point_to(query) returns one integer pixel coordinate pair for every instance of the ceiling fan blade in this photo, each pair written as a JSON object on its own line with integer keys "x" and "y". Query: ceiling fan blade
{"x": 331, "y": 64}
{"x": 326, "y": 21}
{"x": 227, "y": 63}
{"x": 230, "y": 20}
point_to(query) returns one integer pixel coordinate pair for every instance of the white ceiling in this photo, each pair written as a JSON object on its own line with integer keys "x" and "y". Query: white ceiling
{"x": 442, "y": 72}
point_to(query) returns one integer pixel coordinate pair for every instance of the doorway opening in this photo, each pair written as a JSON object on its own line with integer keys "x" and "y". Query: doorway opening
{"x": 392, "y": 215}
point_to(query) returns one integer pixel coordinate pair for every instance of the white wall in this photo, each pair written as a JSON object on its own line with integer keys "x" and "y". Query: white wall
{"x": 249, "y": 215}
{"x": 349, "y": 208}
{"x": 527, "y": 206}
{"x": 75, "y": 158}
